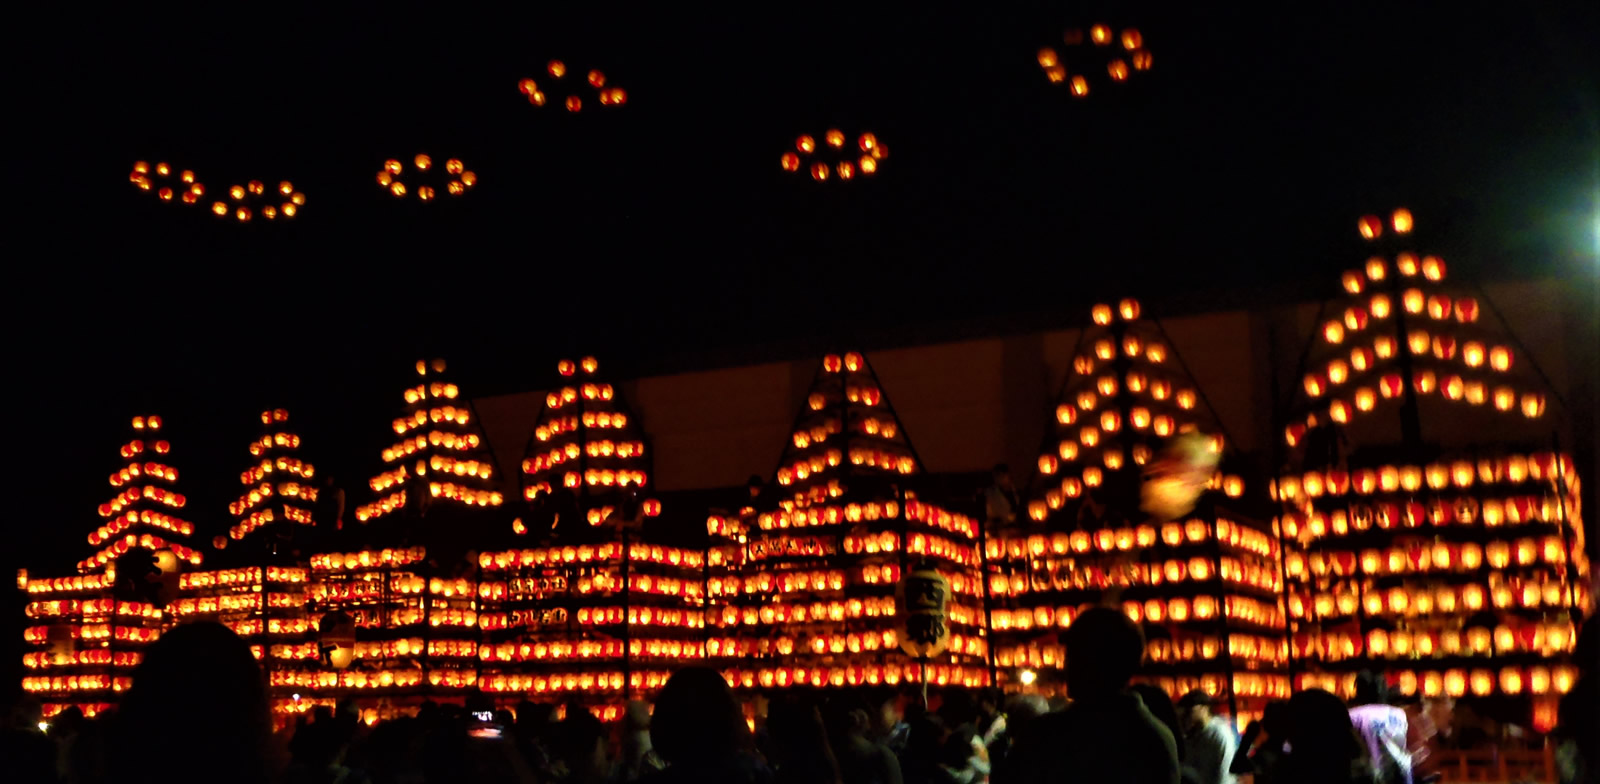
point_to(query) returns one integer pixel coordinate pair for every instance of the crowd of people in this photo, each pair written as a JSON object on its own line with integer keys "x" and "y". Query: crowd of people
{"x": 198, "y": 711}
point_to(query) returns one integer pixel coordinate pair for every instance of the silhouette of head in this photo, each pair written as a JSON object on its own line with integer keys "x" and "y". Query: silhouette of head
{"x": 1320, "y": 732}
{"x": 199, "y": 699}
{"x": 1371, "y": 689}
{"x": 1104, "y": 651}
{"x": 696, "y": 719}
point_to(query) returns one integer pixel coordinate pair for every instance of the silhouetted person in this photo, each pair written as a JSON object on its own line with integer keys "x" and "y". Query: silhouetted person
{"x": 197, "y": 712}
{"x": 636, "y": 757}
{"x": 25, "y": 752}
{"x": 1021, "y": 711}
{"x": 861, "y": 759}
{"x": 329, "y": 512}
{"x": 700, "y": 731}
{"x": 1208, "y": 741}
{"x": 581, "y": 749}
{"x": 1261, "y": 747}
{"x": 1578, "y": 734}
{"x": 925, "y": 739}
{"x": 1160, "y": 705}
{"x": 1000, "y": 501}
{"x": 800, "y": 745}
{"x": 1106, "y": 734}
{"x": 1323, "y": 745}
{"x": 1382, "y": 727}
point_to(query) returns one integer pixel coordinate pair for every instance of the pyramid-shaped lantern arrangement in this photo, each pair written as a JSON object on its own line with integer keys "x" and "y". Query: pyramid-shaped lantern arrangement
{"x": 814, "y": 603}
{"x": 87, "y": 632}
{"x": 263, "y": 599}
{"x": 1128, "y": 508}
{"x": 440, "y": 457}
{"x": 1431, "y": 529}
{"x": 587, "y": 453}
{"x": 591, "y": 611}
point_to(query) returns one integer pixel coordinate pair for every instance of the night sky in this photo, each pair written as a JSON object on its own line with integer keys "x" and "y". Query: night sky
{"x": 664, "y": 236}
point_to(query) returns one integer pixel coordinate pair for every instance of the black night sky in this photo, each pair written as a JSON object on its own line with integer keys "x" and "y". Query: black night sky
{"x": 664, "y": 236}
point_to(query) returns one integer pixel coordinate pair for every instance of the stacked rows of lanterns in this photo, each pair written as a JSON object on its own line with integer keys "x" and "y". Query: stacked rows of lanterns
{"x": 1437, "y": 550}
{"x": 802, "y": 579}
{"x": 561, "y": 617}
{"x": 606, "y": 92}
{"x": 1102, "y": 54}
{"x": 1128, "y": 507}
{"x": 836, "y": 156}
{"x": 87, "y": 632}
{"x": 441, "y": 460}
{"x": 266, "y": 603}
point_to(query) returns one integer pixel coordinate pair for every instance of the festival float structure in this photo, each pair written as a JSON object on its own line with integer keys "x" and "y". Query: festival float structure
{"x": 1111, "y": 520}
{"x": 262, "y": 596}
{"x": 409, "y": 598}
{"x": 590, "y": 611}
{"x": 89, "y": 631}
{"x": 1431, "y": 521}
{"x": 802, "y": 587}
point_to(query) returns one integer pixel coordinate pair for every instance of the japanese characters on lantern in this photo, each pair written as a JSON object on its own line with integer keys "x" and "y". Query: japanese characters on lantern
{"x": 1100, "y": 55}
{"x": 1430, "y": 529}
{"x": 835, "y": 156}
{"x": 1128, "y": 509}
{"x": 808, "y": 597}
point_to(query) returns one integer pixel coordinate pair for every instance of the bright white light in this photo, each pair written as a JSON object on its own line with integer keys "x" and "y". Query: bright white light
{"x": 294, "y": 697}
{"x": 1028, "y": 677}
{"x": 44, "y": 726}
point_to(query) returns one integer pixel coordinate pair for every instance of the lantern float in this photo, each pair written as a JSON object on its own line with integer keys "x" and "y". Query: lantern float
{"x": 1137, "y": 510}
{"x": 592, "y": 609}
{"x": 265, "y": 601}
{"x": 1461, "y": 549}
{"x": 86, "y": 633}
{"x": 801, "y": 582}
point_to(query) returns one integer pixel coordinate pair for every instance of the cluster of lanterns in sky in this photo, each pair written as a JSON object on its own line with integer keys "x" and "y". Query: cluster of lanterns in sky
{"x": 836, "y": 146}
{"x": 1119, "y": 56}
{"x": 608, "y": 93}
{"x": 244, "y": 202}
{"x": 458, "y": 179}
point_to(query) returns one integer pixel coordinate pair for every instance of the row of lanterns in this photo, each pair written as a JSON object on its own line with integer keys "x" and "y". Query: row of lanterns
{"x": 1419, "y": 600}
{"x": 1542, "y": 639}
{"x": 1461, "y": 474}
{"x": 1421, "y": 557}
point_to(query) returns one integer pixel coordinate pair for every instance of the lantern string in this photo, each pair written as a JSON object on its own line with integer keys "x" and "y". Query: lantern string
{"x": 1550, "y": 387}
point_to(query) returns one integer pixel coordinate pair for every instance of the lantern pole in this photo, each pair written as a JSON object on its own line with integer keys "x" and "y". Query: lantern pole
{"x": 1410, "y": 414}
{"x": 923, "y": 662}
{"x": 1563, "y": 494}
{"x": 988, "y": 602}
